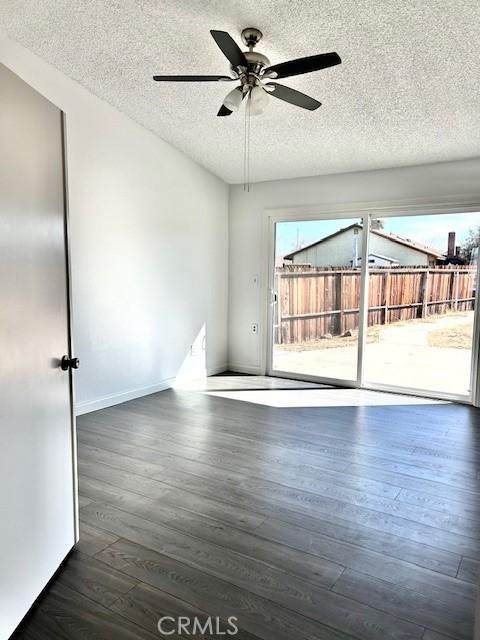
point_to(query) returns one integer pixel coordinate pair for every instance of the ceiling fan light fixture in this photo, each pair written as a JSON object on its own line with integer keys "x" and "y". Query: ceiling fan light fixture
{"x": 253, "y": 71}
{"x": 233, "y": 100}
{"x": 259, "y": 100}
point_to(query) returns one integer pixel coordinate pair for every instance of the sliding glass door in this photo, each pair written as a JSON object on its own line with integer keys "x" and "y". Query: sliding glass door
{"x": 402, "y": 321}
{"x": 421, "y": 306}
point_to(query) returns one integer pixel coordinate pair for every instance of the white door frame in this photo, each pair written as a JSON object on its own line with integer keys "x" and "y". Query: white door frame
{"x": 366, "y": 212}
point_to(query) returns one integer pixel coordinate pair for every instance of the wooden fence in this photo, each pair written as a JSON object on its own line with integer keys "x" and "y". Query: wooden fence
{"x": 314, "y": 301}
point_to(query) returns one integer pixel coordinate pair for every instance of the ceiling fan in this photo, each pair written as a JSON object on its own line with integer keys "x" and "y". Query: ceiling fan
{"x": 255, "y": 74}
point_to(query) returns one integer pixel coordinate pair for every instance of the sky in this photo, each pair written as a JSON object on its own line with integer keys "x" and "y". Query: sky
{"x": 430, "y": 230}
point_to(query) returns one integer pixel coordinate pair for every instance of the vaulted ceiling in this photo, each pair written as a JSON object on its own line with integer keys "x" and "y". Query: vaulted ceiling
{"x": 408, "y": 91}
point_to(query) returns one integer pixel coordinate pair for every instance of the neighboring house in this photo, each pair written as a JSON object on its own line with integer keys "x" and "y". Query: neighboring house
{"x": 344, "y": 248}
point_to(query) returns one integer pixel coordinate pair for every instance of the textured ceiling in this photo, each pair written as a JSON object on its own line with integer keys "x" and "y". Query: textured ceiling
{"x": 408, "y": 90}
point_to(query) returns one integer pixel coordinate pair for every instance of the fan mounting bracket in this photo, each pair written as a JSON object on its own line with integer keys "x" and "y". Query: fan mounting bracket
{"x": 251, "y": 37}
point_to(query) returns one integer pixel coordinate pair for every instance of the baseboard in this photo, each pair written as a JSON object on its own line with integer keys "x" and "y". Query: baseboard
{"x": 124, "y": 396}
{"x": 246, "y": 368}
{"x": 213, "y": 371}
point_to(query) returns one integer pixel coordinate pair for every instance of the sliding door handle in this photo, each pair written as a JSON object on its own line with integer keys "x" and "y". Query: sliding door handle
{"x": 69, "y": 363}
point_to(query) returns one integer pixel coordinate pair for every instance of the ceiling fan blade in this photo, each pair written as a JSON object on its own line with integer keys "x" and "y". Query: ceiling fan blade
{"x": 191, "y": 78}
{"x": 304, "y": 65}
{"x": 293, "y": 97}
{"x": 224, "y": 111}
{"x": 229, "y": 48}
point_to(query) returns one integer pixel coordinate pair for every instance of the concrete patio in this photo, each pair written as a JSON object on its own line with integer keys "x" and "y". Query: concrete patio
{"x": 401, "y": 357}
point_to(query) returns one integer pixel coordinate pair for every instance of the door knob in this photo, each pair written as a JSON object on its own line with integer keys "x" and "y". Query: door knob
{"x": 69, "y": 363}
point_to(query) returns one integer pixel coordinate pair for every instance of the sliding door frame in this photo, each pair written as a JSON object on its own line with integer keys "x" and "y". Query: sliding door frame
{"x": 430, "y": 393}
{"x": 355, "y": 383}
{"x": 366, "y": 213}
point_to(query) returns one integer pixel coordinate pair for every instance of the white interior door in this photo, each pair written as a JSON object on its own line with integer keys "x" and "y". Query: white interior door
{"x": 37, "y": 480}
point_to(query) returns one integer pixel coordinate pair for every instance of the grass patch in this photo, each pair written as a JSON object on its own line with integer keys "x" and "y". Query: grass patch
{"x": 458, "y": 337}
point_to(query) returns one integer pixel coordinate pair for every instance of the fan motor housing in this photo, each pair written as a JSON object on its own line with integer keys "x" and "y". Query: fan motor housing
{"x": 256, "y": 62}
{"x": 257, "y": 59}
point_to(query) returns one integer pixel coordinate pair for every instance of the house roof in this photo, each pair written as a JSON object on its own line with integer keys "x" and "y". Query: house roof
{"x": 393, "y": 237}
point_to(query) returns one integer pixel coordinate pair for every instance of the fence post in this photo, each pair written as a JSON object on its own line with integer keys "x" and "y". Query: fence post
{"x": 455, "y": 290}
{"x": 339, "y": 299}
{"x": 277, "y": 330}
{"x": 425, "y": 292}
{"x": 386, "y": 293}
{"x": 283, "y": 301}
{"x": 279, "y": 308}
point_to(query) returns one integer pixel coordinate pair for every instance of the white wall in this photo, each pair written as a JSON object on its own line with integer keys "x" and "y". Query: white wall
{"x": 439, "y": 186}
{"x": 149, "y": 245}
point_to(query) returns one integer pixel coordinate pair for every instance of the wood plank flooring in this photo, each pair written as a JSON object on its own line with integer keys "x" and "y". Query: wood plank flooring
{"x": 359, "y": 520}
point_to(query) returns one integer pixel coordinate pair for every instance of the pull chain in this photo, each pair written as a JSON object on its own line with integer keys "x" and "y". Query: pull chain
{"x": 246, "y": 147}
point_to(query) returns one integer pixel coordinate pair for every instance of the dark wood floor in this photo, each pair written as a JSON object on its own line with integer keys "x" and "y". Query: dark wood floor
{"x": 304, "y": 523}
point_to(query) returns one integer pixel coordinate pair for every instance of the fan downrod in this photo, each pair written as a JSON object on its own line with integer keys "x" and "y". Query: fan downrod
{"x": 251, "y": 37}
